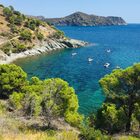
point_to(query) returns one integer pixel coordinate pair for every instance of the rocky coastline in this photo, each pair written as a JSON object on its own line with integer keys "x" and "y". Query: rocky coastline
{"x": 42, "y": 47}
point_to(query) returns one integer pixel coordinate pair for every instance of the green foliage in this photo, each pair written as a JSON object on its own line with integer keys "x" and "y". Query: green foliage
{"x": 1, "y": 5}
{"x": 58, "y": 34}
{"x": 11, "y": 8}
{"x": 62, "y": 101}
{"x": 40, "y": 36}
{"x": 14, "y": 29}
{"x": 6, "y": 48}
{"x": 110, "y": 119}
{"x": 19, "y": 48}
{"x": 2, "y": 107}
{"x": 52, "y": 98}
{"x": 90, "y": 133}
{"x": 16, "y": 100}
{"x": 16, "y": 19}
{"x": 32, "y": 24}
{"x": 7, "y": 12}
{"x": 12, "y": 78}
{"x": 122, "y": 88}
{"x": 26, "y": 35}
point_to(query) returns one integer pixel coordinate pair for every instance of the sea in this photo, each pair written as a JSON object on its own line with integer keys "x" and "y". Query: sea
{"x": 117, "y": 45}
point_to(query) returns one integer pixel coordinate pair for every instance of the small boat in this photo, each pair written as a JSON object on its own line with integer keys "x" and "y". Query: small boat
{"x": 73, "y": 54}
{"x": 90, "y": 59}
{"x": 108, "y": 51}
{"x": 118, "y": 67}
{"x": 106, "y": 65}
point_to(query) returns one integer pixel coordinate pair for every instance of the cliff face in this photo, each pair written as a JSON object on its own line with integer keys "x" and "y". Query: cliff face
{"x": 82, "y": 19}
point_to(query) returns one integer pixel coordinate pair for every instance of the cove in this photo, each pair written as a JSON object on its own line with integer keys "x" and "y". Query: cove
{"x": 124, "y": 43}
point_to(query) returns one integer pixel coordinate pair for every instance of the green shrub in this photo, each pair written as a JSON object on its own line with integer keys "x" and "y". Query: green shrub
{"x": 12, "y": 78}
{"x": 1, "y": 5}
{"x": 16, "y": 100}
{"x": 2, "y": 107}
{"x": 11, "y": 8}
{"x": 58, "y": 34}
{"x": 6, "y": 48}
{"x": 40, "y": 36}
{"x": 90, "y": 133}
{"x": 26, "y": 35}
{"x": 19, "y": 48}
{"x": 14, "y": 29}
{"x": 7, "y": 12}
{"x": 17, "y": 20}
{"x": 32, "y": 23}
{"x": 17, "y": 13}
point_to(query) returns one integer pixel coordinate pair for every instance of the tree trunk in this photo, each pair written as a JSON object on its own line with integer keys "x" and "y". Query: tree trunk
{"x": 128, "y": 125}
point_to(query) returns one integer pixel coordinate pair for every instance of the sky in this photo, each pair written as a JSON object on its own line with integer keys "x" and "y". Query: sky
{"x": 127, "y": 9}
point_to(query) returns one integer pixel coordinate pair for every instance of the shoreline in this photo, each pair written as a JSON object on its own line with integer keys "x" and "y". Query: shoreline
{"x": 43, "y": 47}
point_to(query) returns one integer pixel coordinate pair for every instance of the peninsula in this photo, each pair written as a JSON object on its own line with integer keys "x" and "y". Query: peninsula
{"x": 22, "y": 36}
{"x": 82, "y": 19}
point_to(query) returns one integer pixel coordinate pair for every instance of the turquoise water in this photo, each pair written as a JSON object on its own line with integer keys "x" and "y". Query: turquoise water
{"x": 124, "y": 43}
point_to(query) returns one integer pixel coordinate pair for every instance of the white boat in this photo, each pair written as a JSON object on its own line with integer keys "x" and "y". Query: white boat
{"x": 118, "y": 67}
{"x": 90, "y": 59}
{"x": 108, "y": 51}
{"x": 73, "y": 54}
{"x": 106, "y": 65}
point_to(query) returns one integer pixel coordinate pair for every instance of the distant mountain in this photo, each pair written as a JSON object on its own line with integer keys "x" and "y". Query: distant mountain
{"x": 82, "y": 19}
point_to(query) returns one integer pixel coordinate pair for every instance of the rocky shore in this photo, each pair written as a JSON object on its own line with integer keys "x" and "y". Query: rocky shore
{"x": 43, "y": 47}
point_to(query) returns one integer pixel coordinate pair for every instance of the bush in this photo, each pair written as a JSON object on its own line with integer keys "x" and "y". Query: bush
{"x": 16, "y": 19}
{"x": 12, "y": 78}
{"x": 7, "y": 12}
{"x": 14, "y": 29}
{"x": 40, "y": 36}
{"x": 6, "y": 48}
{"x": 90, "y": 133}
{"x": 107, "y": 117}
{"x": 26, "y": 35}
{"x": 58, "y": 34}
{"x": 32, "y": 24}
{"x": 52, "y": 98}
{"x": 1, "y": 5}
{"x": 16, "y": 100}
{"x": 19, "y": 48}
{"x": 3, "y": 107}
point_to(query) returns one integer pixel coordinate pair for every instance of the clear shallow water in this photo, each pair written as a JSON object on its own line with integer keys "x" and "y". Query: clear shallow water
{"x": 124, "y": 43}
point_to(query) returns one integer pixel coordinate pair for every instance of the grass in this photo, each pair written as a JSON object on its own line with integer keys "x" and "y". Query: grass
{"x": 64, "y": 135}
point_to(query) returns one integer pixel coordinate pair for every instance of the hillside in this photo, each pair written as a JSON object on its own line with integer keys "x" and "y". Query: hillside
{"x": 82, "y": 19}
{"x": 22, "y": 36}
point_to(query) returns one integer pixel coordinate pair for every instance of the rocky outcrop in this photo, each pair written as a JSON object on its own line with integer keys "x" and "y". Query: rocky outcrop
{"x": 42, "y": 47}
{"x": 82, "y": 19}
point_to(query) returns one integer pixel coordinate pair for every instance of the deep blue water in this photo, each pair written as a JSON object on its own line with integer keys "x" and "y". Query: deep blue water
{"x": 124, "y": 43}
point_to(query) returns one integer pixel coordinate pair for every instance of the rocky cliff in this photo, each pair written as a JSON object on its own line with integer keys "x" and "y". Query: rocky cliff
{"x": 22, "y": 36}
{"x": 82, "y": 19}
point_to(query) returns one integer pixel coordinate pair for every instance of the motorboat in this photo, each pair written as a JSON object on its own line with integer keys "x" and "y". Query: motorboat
{"x": 73, "y": 54}
{"x": 90, "y": 59}
{"x": 108, "y": 51}
{"x": 106, "y": 65}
